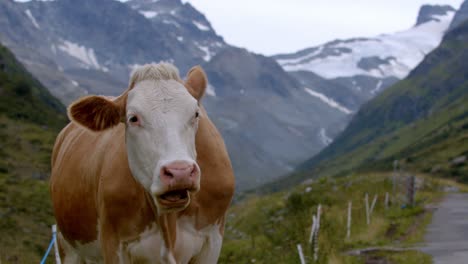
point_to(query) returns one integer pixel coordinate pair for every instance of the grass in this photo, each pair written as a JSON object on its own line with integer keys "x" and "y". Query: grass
{"x": 266, "y": 229}
{"x": 25, "y": 208}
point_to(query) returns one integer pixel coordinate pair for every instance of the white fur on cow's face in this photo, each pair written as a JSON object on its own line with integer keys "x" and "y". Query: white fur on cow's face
{"x": 165, "y": 131}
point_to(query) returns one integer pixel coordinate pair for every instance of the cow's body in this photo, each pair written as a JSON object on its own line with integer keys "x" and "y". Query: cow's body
{"x": 105, "y": 215}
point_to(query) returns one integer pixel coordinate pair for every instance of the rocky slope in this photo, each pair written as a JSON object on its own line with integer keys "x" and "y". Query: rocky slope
{"x": 460, "y": 16}
{"x": 268, "y": 120}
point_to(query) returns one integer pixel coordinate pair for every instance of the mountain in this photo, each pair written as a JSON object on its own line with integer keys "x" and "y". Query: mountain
{"x": 272, "y": 120}
{"x": 23, "y": 98}
{"x": 421, "y": 121}
{"x": 184, "y": 24}
{"x": 460, "y": 16}
{"x": 91, "y": 56}
{"x": 264, "y": 114}
{"x": 363, "y": 67}
{"x": 30, "y": 118}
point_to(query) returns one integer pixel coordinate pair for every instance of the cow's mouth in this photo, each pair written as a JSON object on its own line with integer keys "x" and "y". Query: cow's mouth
{"x": 174, "y": 198}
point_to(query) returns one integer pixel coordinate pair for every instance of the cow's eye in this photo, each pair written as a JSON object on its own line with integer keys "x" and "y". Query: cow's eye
{"x": 197, "y": 114}
{"x": 133, "y": 119}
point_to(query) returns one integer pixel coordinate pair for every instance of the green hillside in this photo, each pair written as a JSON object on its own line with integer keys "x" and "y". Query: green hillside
{"x": 422, "y": 121}
{"x": 29, "y": 121}
{"x": 266, "y": 229}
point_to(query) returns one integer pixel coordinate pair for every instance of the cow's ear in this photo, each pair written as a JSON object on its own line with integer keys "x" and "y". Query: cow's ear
{"x": 95, "y": 112}
{"x": 196, "y": 82}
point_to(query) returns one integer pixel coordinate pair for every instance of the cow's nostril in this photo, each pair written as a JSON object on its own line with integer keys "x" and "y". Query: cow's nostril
{"x": 168, "y": 173}
{"x": 194, "y": 171}
{"x": 179, "y": 172}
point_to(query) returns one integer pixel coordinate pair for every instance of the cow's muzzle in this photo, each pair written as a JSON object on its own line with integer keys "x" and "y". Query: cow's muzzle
{"x": 178, "y": 179}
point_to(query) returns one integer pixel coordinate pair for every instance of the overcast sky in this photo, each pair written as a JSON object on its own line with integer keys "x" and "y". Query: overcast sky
{"x": 283, "y": 26}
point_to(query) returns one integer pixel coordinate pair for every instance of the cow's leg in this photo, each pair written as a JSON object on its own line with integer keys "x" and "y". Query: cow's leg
{"x": 68, "y": 254}
{"x": 109, "y": 244}
{"x": 211, "y": 249}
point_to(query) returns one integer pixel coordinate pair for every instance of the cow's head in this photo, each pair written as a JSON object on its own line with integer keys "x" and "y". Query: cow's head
{"x": 161, "y": 115}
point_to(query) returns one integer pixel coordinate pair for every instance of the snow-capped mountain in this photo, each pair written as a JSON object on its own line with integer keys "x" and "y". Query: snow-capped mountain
{"x": 184, "y": 24}
{"x": 271, "y": 120}
{"x": 368, "y": 65}
{"x": 91, "y": 45}
{"x": 270, "y": 123}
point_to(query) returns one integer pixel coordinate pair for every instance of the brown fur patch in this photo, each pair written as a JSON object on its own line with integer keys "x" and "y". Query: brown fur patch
{"x": 196, "y": 82}
{"x": 95, "y": 113}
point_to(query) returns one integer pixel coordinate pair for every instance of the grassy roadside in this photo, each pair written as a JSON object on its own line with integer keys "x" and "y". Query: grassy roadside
{"x": 25, "y": 208}
{"x": 266, "y": 229}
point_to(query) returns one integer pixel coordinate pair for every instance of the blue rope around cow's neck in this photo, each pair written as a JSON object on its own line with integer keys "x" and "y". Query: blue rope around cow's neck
{"x": 52, "y": 241}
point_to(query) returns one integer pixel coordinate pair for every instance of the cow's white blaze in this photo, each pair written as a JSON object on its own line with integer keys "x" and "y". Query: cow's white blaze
{"x": 163, "y": 131}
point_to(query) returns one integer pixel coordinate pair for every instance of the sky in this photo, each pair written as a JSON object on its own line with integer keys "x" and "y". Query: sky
{"x": 284, "y": 26}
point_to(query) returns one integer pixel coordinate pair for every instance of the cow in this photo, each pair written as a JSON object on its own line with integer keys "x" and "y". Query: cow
{"x": 144, "y": 177}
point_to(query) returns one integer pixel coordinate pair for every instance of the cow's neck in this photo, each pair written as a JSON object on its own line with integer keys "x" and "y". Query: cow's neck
{"x": 166, "y": 223}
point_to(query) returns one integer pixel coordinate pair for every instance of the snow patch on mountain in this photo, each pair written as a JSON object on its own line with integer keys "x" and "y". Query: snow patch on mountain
{"x": 200, "y": 26}
{"x": 170, "y": 22}
{"x": 31, "y": 17}
{"x": 377, "y": 87}
{"x": 324, "y": 138}
{"x": 210, "y": 90}
{"x": 206, "y": 50}
{"x": 387, "y": 55}
{"x": 83, "y": 54}
{"x": 25, "y": 1}
{"x": 149, "y": 14}
{"x": 328, "y": 101}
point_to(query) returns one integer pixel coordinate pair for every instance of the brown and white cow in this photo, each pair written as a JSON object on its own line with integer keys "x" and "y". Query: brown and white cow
{"x": 144, "y": 177}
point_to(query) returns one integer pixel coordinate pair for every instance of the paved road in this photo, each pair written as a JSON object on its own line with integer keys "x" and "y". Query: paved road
{"x": 447, "y": 235}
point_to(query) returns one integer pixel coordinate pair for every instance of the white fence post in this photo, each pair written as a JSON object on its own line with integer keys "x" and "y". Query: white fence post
{"x": 366, "y": 201}
{"x": 348, "y": 231}
{"x": 319, "y": 211}
{"x": 301, "y": 255}
{"x": 373, "y": 204}
{"x": 312, "y": 229}
{"x": 317, "y": 227}
{"x": 57, "y": 253}
{"x": 395, "y": 168}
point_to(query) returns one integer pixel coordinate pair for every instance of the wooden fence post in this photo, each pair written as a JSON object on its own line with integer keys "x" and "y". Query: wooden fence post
{"x": 411, "y": 191}
{"x": 386, "y": 200}
{"x": 366, "y": 201}
{"x": 395, "y": 168}
{"x": 348, "y": 225}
